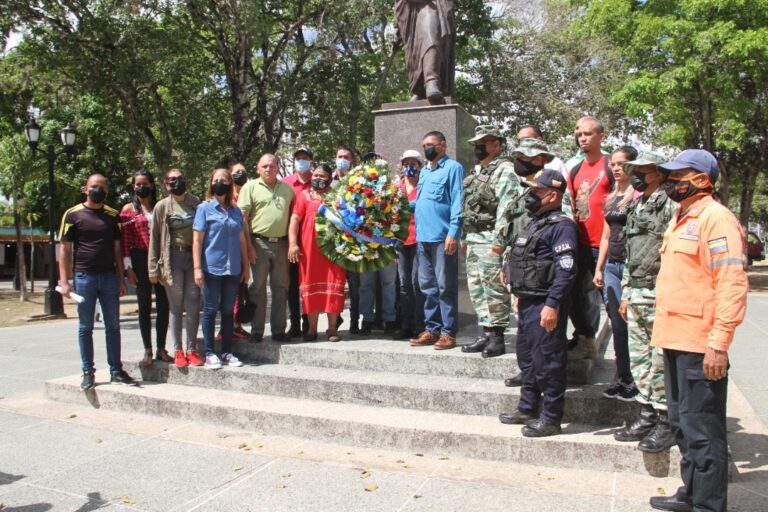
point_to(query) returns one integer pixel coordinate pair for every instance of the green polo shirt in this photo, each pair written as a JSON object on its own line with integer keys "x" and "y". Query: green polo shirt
{"x": 269, "y": 209}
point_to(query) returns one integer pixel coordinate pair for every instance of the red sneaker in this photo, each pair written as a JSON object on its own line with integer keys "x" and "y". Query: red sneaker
{"x": 240, "y": 334}
{"x": 194, "y": 358}
{"x": 180, "y": 361}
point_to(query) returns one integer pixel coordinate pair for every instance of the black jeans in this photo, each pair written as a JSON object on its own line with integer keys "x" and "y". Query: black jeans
{"x": 294, "y": 299}
{"x": 697, "y": 411}
{"x": 585, "y": 298}
{"x": 353, "y": 280}
{"x": 144, "y": 298}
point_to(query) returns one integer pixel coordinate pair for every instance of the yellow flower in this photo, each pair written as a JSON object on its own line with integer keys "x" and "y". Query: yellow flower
{"x": 373, "y": 245}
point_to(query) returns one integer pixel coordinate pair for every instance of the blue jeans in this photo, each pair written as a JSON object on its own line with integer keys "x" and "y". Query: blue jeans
{"x": 104, "y": 287}
{"x": 439, "y": 282}
{"x": 219, "y": 294}
{"x": 411, "y": 298}
{"x": 388, "y": 277}
{"x": 612, "y": 298}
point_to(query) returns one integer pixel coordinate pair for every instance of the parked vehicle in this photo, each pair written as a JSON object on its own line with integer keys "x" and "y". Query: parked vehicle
{"x": 755, "y": 248}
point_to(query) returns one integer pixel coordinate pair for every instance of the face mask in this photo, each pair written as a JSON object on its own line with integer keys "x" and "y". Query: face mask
{"x": 342, "y": 164}
{"x": 239, "y": 178}
{"x": 410, "y": 170}
{"x": 481, "y": 152}
{"x": 97, "y": 195}
{"x": 177, "y": 186}
{"x": 319, "y": 183}
{"x": 302, "y": 165}
{"x": 678, "y": 190}
{"x": 532, "y": 203}
{"x": 143, "y": 191}
{"x": 638, "y": 181}
{"x": 430, "y": 152}
{"x": 219, "y": 188}
{"x": 523, "y": 168}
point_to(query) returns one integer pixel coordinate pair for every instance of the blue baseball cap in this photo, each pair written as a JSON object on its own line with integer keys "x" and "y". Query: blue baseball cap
{"x": 547, "y": 178}
{"x": 699, "y": 160}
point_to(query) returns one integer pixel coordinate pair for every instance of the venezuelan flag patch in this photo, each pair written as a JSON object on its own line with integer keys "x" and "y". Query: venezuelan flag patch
{"x": 718, "y": 245}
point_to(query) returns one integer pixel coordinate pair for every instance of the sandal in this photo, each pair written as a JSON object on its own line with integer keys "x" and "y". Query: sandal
{"x": 147, "y": 360}
{"x": 334, "y": 337}
{"x": 163, "y": 355}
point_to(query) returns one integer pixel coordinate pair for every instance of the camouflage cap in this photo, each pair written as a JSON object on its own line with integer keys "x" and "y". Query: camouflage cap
{"x": 644, "y": 158}
{"x": 486, "y": 130}
{"x": 532, "y": 147}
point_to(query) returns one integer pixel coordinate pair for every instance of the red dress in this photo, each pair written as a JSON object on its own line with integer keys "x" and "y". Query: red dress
{"x": 321, "y": 282}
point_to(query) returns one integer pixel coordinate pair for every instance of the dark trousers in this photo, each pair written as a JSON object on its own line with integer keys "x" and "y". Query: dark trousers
{"x": 144, "y": 290}
{"x": 697, "y": 411}
{"x": 411, "y": 298}
{"x": 294, "y": 299}
{"x": 353, "y": 279}
{"x": 585, "y": 298}
{"x": 542, "y": 357}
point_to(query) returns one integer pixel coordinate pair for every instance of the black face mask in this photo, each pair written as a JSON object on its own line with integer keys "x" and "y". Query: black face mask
{"x": 319, "y": 183}
{"x": 143, "y": 191}
{"x": 523, "y": 168}
{"x": 481, "y": 152}
{"x": 239, "y": 178}
{"x": 177, "y": 187}
{"x": 430, "y": 152}
{"x": 638, "y": 181}
{"x": 532, "y": 203}
{"x": 219, "y": 188}
{"x": 678, "y": 190}
{"x": 97, "y": 195}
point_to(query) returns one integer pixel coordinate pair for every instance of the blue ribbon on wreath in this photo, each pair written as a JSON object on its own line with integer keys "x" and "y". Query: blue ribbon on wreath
{"x": 333, "y": 219}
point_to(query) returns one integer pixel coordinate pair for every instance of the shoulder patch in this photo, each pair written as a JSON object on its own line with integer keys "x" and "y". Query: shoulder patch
{"x": 563, "y": 247}
{"x": 566, "y": 262}
{"x": 718, "y": 245}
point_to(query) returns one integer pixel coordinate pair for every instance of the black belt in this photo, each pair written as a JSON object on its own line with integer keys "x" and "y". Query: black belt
{"x": 182, "y": 248}
{"x": 272, "y": 239}
{"x": 616, "y": 261}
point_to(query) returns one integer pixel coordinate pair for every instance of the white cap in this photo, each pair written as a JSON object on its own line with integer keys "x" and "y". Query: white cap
{"x": 412, "y": 153}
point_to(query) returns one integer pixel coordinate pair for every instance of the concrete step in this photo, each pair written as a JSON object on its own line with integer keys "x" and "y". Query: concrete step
{"x": 477, "y": 437}
{"x": 397, "y": 357}
{"x": 456, "y": 395}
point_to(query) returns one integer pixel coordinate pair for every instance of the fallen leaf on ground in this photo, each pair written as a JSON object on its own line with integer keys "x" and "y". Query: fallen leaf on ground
{"x": 661, "y": 491}
{"x": 237, "y": 468}
{"x": 442, "y": 457}
{"x": 258, "y": 445}
{"x": 98, "y": 440}
{"x": 222, "y": 436}
{"x": 399, "y": 461}
{"x": 454, "y": 466}
{"x": 71, "y": 416}
{"x": 247, "y": 449}
{"x": 242, "y": 445}
{"x": 287, "y": 475}
{"x": 419, "y": 454}
{"x": 371, "y": 488}
{"x": 128, "y": 501}
{"x": 301, "y": 452}
{"x": 365, "y": 474}
{"x": 417, "y": 496}
{"x": 406, "y": 466}
{"x": 281, "y": 486}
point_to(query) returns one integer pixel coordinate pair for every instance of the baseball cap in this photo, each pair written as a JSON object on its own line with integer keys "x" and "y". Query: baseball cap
{"x": 533, "y": 147}
{"x": 548, "y": 178}
{"x": 304, "y": 149}
{"x": 486, "y": 130}
{"x": 644, "y": 158}
{"x": 699, "y": 160}
{"x": 412, "y": 153}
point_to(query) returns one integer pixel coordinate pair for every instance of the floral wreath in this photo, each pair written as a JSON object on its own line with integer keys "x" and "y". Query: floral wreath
{"x": 363, "y": 219}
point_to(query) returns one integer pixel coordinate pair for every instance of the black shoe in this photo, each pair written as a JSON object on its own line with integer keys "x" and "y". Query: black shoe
{"x": 122, "y": 377}
{"x": 621, "y": 391}
{"x": 628, "y": 394}
{"x": 280, "y": 336}
{"x": 256, "y": 338}
{"x": 403, "y": 334}
{"x": 478, "y": 345}
{"x": 305, "y": 324}
{"x": 89, "y": 380}
{"x": 661, "y": 438}
{"x": 670, "y": 503}
{"x": 639, "y": 428}
{"x": 366, "y": 328}
{"x": 513, "y": 382}
{"x": 516, "y": 418}
{"x": 294, "y": 331}
{"x": 339, "y": 321}
{"x": 495, "y": 346}
{"x": 390, "y": 327}
{"x": 353, "y": 328}
{"x": 541, "y": 428}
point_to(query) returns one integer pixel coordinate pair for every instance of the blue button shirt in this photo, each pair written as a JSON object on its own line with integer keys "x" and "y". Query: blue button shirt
{"x": 221, "y": 244}
{"x": 438, "y": 203}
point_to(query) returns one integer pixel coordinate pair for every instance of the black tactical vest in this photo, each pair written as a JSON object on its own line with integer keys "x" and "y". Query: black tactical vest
{"x": 480, "y": 204}
{"x": 645, "y": 231}
{"x": 528, "y": 276}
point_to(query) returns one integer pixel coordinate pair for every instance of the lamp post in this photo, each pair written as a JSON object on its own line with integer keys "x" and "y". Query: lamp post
{"x": 53, "y": 302}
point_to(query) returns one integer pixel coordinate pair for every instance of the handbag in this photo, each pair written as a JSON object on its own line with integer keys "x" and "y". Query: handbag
{"x": 246, "y": 307}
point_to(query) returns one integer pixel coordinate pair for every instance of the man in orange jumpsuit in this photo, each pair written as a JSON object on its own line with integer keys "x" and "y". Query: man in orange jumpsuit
{"x": 701, "y": 297}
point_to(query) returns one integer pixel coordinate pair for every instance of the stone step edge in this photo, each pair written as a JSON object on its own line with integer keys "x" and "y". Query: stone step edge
{"x": 469, "y": 436}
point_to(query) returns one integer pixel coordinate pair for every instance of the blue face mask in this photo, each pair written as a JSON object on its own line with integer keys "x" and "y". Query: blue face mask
{"x": 302, "y": 165}
{"x": 410, "y": 170}
{"x": 342, "y": 164}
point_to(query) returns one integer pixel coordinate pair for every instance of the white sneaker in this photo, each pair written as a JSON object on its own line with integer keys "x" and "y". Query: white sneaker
{"x": 230, "y": 359}
{"x": 212, "y": 362}
{"x": 586, "y": 348}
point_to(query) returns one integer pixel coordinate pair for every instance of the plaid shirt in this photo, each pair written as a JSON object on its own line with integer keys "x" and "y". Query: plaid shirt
{"x": 135, "y": 232}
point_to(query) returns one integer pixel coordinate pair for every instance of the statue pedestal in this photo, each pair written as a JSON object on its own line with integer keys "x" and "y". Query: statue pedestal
{"x": 401, "y": 126}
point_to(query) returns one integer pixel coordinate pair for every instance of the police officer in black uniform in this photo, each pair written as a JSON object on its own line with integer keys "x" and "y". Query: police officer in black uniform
{"x": 540, "y": 271}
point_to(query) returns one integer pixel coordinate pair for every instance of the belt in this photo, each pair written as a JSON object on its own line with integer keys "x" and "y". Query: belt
{"x": 272, "y": 239}
{"x": 615, "y": 261}
{"x": 182, "y": 248}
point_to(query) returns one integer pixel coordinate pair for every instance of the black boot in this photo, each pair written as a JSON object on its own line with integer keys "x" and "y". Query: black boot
{"x": 390, "y": 327}
{"x": 639, "y": 428}
{"x": 479, "y": 344}
{"x": 353, "y": 329}
{"x": 495, "y": 343}
{"x": 366, "y": 327}
{"x": 661, "y": 438}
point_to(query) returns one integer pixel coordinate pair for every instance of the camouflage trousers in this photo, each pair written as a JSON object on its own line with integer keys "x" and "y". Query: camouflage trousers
{"x": 490, "y": 299}
{"x": 645, "y": 362}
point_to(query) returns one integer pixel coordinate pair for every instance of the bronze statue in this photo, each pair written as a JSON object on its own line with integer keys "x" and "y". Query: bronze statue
{"x": 426, "y": 28}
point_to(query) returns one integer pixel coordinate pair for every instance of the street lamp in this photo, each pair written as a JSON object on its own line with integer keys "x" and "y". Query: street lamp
{"x": 53, "y": 302}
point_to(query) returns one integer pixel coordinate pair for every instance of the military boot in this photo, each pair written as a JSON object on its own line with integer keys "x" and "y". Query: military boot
{"x": 495, "y": 343}
{"x": 639, "y": 428}
{"x": 479, "y": 344}
{"x": 661, "y": 438}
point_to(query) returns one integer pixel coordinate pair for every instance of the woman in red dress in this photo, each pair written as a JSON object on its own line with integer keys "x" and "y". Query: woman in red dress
{"x": 321, "y": 282}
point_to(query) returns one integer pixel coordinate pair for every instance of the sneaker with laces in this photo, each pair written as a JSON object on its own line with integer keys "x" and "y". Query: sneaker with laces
{"x": 613, "y": 390}
{"x": 229, "y": 359}
{"x": 180, "y": 360}
{"x": 122, "y": 377}
{"x": 628, "y": 394}
{"x": 194, "y": 358}
{"x": 89, "y": 380}
{"x": 212, "y": 362}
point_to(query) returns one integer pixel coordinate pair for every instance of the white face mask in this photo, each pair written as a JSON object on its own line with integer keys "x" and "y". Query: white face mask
{"x": 302, "y": 165}
{"x": 342, "y": 164}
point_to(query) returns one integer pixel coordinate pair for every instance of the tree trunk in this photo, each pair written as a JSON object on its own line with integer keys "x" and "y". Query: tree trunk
{"x": 22, "y": 266}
